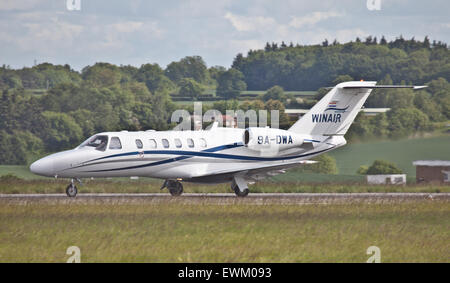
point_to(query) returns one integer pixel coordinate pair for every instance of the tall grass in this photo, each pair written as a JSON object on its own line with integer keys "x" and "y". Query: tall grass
{"x": 405, "y": 232}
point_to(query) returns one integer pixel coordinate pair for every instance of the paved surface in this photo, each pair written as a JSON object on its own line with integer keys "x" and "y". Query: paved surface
{"x": 214, "y": 198}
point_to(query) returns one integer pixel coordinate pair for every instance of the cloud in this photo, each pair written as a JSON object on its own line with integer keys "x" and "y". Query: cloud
{"x": 127, "y": 26}
{"x": 122, "y": 34}
{"x": 312, "y": 19}
{"x": 49, "y": 32}
{"x": 39, "y": 31}
{"x": 277, "y": 30}
{"x": 242, "y": 23}
{"x": 138, "y": 31}
{"x": 150, "y": 28}
{"x": 9, "y": 5}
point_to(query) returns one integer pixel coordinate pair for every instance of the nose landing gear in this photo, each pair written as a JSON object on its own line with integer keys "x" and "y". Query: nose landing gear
{"x": 71, "y": 189}
{"x": 175, "y": 187}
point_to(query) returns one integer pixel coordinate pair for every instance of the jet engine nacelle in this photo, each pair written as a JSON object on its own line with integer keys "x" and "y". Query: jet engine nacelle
{"x": 268, "y": 140}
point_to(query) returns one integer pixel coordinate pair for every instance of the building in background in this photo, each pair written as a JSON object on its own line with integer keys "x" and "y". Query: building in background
{"x": 386, "y": 179}
{"x": 437, "y": 171}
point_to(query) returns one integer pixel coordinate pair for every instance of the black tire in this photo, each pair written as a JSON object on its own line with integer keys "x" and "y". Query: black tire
{"x": 71, "y": 190}
{"x": 176, "y": 189}
{"x": 240, "y": 193}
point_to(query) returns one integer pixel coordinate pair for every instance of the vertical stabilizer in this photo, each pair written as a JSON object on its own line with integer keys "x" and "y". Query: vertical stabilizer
{"x": 335, "y": 112}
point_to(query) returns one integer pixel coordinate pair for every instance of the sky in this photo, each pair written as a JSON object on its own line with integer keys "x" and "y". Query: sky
{"x": 136, "y": 32}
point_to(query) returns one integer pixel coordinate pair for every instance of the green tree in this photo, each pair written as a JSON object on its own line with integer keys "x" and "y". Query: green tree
{"x": 380, "y": 125}
{"x": 85, "y": 119}
{"x": 406, "y": 121}
{"x": 31, "y": 78}
{"x": 383, "y": 167}
{"x": 53, "y": 75}
{"x": 215, "y": 71}
{"x": 342, "y": 78}
{"x": 224, "y": 105}
{"x": 379, "y": 97}
{"x": 361, "y": 127}
{"x": 101, "y": 75}
{"x": 362, "y": 170}
{"x": 9, "y": 79}
{"x": 275, "y": 93}
{"x": 277, "y": 105}
{"x": 400, "y": 98}
{"x": 138, "y": 90}
{"x": 424, "y": 102}
{"x": 154, "y": 78}
{"x": 253, "y": 104}
{"x": 19, "y": 148}
{"x": 189, "y": 87}
{"x": 62, "y": 131}
{"x": 230, "y": 84}
{"x": 189, "y": 67}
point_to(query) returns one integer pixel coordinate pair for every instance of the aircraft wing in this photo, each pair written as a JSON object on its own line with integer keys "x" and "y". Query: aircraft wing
{"x": 270, "y": 171}
{"x": 256, "y": 172}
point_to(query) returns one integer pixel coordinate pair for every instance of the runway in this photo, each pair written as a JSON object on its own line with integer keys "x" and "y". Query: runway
{"x": 223, "y": 199}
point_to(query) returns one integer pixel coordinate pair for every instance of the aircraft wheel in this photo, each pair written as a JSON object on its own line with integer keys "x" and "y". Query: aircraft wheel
{"x": 176, "y": 189}
{"x": 71, "y": 190}
{"x": 240, "y": 193}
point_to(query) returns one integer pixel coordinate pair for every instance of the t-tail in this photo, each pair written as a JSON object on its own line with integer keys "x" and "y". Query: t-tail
{"x": 336, "y": 111}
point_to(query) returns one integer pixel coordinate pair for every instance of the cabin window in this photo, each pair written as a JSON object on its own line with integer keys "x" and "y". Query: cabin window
{"x": 115, "y": 143}
{"x": 165, "y": 143}
{"x": 153, "y": 143}
{"x": 178, "y": 143}
{"x": 99, "y": 142}
{"x": 202, "y": 142}
{"x": 190, "y": 142}
{"x": 139, "y": 144}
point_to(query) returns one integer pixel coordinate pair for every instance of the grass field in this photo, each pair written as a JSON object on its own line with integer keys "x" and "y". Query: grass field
{"x": 404, "y": 232}
{"x": 20, "y": 171}
{"x": 401, "y": 152}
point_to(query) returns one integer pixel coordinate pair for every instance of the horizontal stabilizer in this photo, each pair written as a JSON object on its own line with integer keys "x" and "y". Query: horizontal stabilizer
{"x": 384, "y": 86}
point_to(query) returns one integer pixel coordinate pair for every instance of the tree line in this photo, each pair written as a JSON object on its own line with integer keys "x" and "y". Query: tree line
{"x": 47, "y": 108}
{"x": 314, "y": 66}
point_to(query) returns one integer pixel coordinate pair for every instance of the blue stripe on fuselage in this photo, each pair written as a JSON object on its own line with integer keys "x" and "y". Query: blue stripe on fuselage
{"x": 188, "y": 154}
{"x": 213, "y": 149}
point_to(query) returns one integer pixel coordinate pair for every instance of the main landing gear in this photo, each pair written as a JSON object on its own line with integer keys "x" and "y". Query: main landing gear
{"x": 239, "y": 186}
{"x": 175, "y": 187}
{"x": 71, "y": 189}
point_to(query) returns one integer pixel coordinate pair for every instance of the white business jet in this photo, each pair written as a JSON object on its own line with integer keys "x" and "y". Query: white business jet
{"x": 216, "y": 155}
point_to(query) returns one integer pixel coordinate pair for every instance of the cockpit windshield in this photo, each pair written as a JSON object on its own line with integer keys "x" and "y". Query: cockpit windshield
{"x": 99, "y": 142}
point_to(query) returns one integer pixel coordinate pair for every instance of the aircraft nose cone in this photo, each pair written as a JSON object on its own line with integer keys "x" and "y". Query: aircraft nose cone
{"x": 43, "y": 167}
